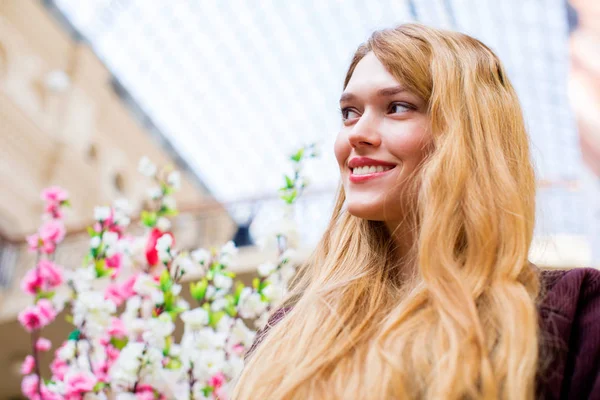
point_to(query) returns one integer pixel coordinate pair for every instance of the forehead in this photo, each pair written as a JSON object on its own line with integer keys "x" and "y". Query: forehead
{"x": 370, "y": 74}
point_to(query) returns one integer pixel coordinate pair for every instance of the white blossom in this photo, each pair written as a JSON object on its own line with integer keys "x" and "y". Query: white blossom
{"x": 176, "y": 289}
{"x": 163, "y": 246}
{"x": 95, "y": 242}
{"x": 240, "y": 333}
{"x": 125, "y": 396}
{"x": 154, "y": 192}
{"x": 163, "y": 224}
{"x": 265, "y": 269}
{"x": 91, "y": 307}
{"x": 195, "y": 319}
{"x": 184, "y": 264}
{"x": 146, "y": 167}
{"x": 228, "y": 251}
{"x": 67, "y": 351}
{"x": 82, "y": 278}
{"x": 101, "y": 213}
{"x": 251, "y": 305}
{"x": 123, "y": 205}
{"x": 110, "y": 239}
{"x": 174, "y": 179}
{"x": 222, "y": 282}
{"x": 145, "y": 285}
{"x": 274, "y": 292}
{"x": 219, "y": 304}
{"x": 169, "y": 202}
{"x": 201, "y": 256}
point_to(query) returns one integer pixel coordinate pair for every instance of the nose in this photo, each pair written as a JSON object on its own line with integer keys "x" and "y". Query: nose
{"x": 365, "y": 132}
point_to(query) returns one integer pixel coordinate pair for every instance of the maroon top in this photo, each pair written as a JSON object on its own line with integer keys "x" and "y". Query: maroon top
{"x": 570, "y": 334}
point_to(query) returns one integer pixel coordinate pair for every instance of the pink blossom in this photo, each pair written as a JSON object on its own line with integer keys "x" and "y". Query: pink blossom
{"x": 127, "y": 287}
{"x": 52, "y": 233}
{"x": 112, "y": 353}
{"x": 117, "y": 328}
{"x": 221, "y": 394}
{"x": 54, "y": 194}
{"x": 29, "y": 386}
{"x": 48, "y": 395}
{"x": 28, "y": 365}
{"x": 114, "y": 294}
{"x": 43, "y": 344}
{"x": 115, "y": 262}
{"x": 59, "y": 368}
{"x": 144, "y": 392}
{"x": 78, "y": 383}
{"x": 217, "y": 380}
{"x": 50, "y": 273}
{"x": 101, "y": 370}
{"x": 54, "y": 210}
{"x": 32, "y": 282}
{"x": 238, "y": 349}
{"x": 31, "y": 319}
{"x": 46, "y": 310}
{"x": 33, "y": 242}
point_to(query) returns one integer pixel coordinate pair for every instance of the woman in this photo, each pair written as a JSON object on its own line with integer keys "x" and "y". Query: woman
{"x": 421, "y": 286}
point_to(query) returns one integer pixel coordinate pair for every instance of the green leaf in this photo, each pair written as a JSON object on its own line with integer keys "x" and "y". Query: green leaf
{"x": 165, "y": 280}
{"x": 215, "y": 317}
{"x": 173, "y": 363}
{"x": 149, "y": 218}
{"x": 198, "y": 290}
{"x": 230, "y": 309}
{"x": 99, "y": 386}
{"x": 65, "y": 203}
{"x": 74, "y": 335}
{"x": 238, "y": 291}
{"x": 290, "y": 196}
{"x": 289, "y": 182}
{"x": 255, "y": 283}
{"x": 119, "y": 343}
{"x": 169, "y": 300}
{"x": 170, "y": 213}
{"x": 91, "y": 231}
{"x": 69, "y": 318}
{"x": 101, "y": 269}
{"x": 44, "y": 295}
{"x": 298, "y": 156}
{"x": 263, "y": 285}
{"x": 229, "y": 274}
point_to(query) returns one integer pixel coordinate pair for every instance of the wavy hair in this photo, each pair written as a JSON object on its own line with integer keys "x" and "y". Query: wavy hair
{"x": 461, "y": 323}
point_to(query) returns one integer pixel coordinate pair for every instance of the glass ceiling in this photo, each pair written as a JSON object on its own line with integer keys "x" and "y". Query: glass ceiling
{"x": 235, "y": 86}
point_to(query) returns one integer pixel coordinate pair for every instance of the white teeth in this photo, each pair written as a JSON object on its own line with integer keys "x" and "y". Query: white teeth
{"x": 369, "y": 169}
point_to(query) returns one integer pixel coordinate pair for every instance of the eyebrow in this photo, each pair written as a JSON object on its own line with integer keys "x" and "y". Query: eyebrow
{"x": 386, "y": 92}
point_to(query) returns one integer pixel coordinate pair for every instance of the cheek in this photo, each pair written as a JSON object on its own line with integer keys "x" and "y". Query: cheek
{"x": 342, "y": 149}
{"x": 410, "y": 147}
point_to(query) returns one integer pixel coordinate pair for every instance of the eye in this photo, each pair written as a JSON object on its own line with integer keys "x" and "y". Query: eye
{"x": 399, "y": 108}
{"x": 349, "y": 113}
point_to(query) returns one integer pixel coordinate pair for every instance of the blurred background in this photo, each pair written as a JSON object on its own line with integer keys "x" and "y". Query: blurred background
{"x": 226, "y": 90}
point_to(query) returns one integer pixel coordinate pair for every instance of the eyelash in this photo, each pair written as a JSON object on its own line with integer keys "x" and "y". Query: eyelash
{"x": 344, "y": 110}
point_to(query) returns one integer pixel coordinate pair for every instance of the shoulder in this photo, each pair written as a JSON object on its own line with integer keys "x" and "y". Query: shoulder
{"x": 569, "y": 310}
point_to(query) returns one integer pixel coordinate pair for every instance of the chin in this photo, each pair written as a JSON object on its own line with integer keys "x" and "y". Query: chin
{"x": 372, "y": 212}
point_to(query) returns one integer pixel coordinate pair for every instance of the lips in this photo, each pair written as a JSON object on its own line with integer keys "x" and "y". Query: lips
{"x": 366, "y": 161}
{"x": 363, "y": 169}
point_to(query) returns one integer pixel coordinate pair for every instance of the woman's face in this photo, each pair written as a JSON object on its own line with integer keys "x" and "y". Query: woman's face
{"x": 384, "y": 137}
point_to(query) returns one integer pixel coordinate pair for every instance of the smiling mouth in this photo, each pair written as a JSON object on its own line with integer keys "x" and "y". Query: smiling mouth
{"x": 367, "y": 173}
{"x": 367, "y": 170}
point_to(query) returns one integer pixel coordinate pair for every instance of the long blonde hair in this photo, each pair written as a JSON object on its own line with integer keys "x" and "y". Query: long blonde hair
{"x": 464, "y": 324}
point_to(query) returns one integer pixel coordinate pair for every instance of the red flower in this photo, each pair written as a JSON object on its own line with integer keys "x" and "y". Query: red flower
{"x": 151, "y": 252}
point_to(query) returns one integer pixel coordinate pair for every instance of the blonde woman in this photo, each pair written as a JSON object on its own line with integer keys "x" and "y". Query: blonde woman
{"x": 421, "y": 286}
